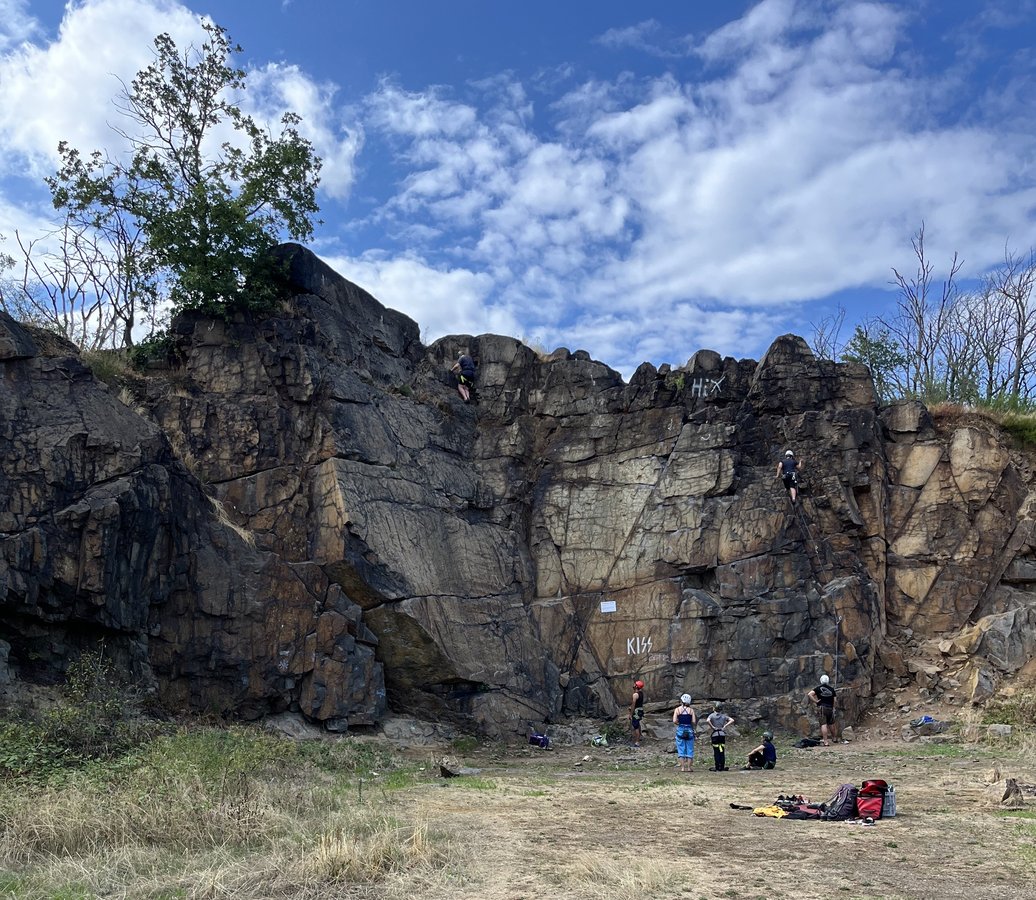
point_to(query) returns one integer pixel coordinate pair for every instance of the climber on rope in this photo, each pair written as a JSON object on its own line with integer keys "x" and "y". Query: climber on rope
{"x": 788, "y": 472}
{"x": 464, "y": 368}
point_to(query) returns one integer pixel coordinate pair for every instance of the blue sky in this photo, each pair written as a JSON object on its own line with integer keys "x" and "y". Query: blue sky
{"x": 637, "y": 180}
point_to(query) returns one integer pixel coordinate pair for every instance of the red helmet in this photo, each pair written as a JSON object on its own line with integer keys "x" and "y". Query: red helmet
{"x": 638, "y": 684}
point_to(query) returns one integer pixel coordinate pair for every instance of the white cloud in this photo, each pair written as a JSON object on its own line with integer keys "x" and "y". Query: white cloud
{"x": 419, "y": 115}
{"x": 800, "y": 167}
{"x": 275, "y": 89}
{"x": 763, "y": 24}
{"x": 441, "y": 300}
{"x": 643, "y": 36}
{"x": 16, "y": 24}
{"x": 64, "y": 90}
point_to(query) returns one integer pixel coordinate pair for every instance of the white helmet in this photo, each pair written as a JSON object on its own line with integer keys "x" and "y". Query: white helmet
{"x": 789, "y": 453}
{"x": 824, "y": 679}
{"x": 686, "y": 699}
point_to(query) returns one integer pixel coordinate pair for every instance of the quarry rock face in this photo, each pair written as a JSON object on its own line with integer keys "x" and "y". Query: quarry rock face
{"x": 107, "y": 541}
{"x": 300, "y": 514}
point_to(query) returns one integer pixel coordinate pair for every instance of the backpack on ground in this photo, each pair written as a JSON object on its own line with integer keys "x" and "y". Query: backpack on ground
{"x": 538, "y": 740}
{"x": 843, "y": 804}
{"x": 877, "y": 799}
{"x": 869, "y": 806}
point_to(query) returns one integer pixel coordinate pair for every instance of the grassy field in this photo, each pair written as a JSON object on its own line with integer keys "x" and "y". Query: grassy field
{"x": 212, "y": 812}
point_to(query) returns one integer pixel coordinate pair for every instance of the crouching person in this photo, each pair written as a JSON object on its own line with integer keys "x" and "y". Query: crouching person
{"x": 765, "y": 755}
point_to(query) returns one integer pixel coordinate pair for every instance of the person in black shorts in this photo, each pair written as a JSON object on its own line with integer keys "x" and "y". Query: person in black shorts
{"x": 465, "y": 369}
{"x": 823, "y": 697}
{"x": 765, "y": 755}
{"x": 637, "y": 710}
{"x": 788, "y": 472}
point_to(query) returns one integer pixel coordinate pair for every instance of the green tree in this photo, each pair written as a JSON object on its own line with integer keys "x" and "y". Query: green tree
{"x": 874, "y": 346}
{"x": 206, "y": 187}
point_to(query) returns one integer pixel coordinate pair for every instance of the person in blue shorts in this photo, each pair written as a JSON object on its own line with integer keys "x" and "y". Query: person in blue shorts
{"x": 686, "y": 722}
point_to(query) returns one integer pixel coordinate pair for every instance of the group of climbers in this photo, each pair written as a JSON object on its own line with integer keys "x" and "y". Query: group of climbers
{"x": 684, "y": 718}
{"x": 685, "y": 722}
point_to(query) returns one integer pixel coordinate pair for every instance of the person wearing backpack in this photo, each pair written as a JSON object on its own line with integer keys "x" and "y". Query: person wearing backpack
{"x": 719, "y": 722}
{"x": 686, "y": 722}
{"x": 823, "y": 698}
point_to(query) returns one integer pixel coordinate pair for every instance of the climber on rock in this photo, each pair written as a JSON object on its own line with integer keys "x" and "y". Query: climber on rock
{"x": 465, "y": 369}
{"x": 788, "y": 471}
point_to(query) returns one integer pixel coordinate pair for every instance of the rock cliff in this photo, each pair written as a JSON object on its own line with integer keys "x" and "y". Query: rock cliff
{"x": 300, "y": 513}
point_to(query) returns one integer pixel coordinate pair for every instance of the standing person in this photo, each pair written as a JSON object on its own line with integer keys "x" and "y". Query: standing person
{"x": 686, "y": 722}
{"x": 823, "y": 697}
{"x": 637, "y": 711}
{"x": 465, "y": 369}
{"x": 788, "y": 472}
{"x": 719, "y": 722}
{"x": 765, "y": 755}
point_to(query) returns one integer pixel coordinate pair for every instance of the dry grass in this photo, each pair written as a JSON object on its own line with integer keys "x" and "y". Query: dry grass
{"x": 615, "y": 879}
{"x": 110, "y": 366}
{"x": 223, "y": 517}
{"x": 276, "y": 824}
{"x": 210, "y": 813}
{"x": 369, "y": 847}
{"x": 253, "y": 842}
{"x": 1020, "y": 425}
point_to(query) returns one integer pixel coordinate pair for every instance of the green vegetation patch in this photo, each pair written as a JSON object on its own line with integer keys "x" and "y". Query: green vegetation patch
{"x": 243, "y": 806}
{"x": 1018, "y": 710}
{"x": 466, "y": 743}
{"x": 472, "y": 781}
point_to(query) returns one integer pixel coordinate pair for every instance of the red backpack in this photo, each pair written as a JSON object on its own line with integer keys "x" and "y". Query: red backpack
{"x": 871, "y": 798}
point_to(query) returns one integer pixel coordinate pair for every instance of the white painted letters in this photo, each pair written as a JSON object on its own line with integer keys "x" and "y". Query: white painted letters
{"x": 706, "y": 387}
{"x": 636, "y": 645}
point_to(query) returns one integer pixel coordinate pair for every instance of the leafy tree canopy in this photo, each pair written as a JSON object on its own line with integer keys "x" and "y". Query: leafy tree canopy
{"x": 208, "y": 188}
{"x": 875, "y": 348}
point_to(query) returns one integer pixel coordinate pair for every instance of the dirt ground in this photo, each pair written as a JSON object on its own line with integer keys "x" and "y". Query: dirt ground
{"x": 626, "y": 823}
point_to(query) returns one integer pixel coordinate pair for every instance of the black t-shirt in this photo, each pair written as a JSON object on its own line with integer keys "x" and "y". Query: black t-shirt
{"x": 788, "y": 465}
{"x": 825, "y": 695}
{"x": 467, "y": 366}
